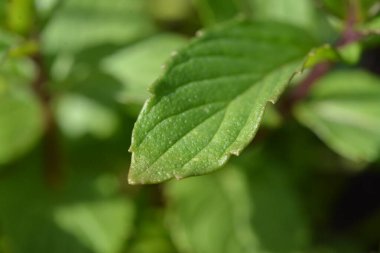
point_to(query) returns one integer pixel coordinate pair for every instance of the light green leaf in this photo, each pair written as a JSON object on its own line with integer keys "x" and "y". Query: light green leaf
{"x": 209, "y": 103}
{"x": 78, "y": 116}
{"x": 351, "y": 53}
{"x": 21, "y": 121}
{"x": 87, "y": 23}
{"x": 236, "y": 211}
{"x": 344, "y": 111}
{"x": 364, "y": 8}
{"x": 137, "y": 66}
{"x": 99, "y": 226}
{"x": 296, "y": 12}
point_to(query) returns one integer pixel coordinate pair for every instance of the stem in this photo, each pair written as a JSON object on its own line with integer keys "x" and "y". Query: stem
{"x": 50, "y": 149}
{"x": 349, "y": 35}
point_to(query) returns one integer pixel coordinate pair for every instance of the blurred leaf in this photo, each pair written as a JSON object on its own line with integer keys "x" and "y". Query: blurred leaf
{"x": 97, "y": 225}
{"x": 215, "y": 11}
{"x": 178, "y": 10}
{"x": 210, "y": 101}
{"x": 21, "y": 16}
{"x": 151, "y": 234}
{"x": 21, "y": 121}
{"x": 344, "y": 111}
{"x": 78, "y": 116}
{"x": 372, "y": 26}
{"x": 78, "y": 24}
{"x": 296, "y": 12}
{"x": 337, "y": 7}
{"x": 250, "y": 209}
{"x": 351, "y": 53}
{"x": 85, "y": 215}
{"x": 138, "y": 66}
{"x": 45, "y": 8}
{"x": 271, "y": 117}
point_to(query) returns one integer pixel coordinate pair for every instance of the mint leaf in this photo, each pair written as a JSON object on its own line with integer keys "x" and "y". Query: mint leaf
{"x": 209, "y": 103}
{"x": 344, "y": 111}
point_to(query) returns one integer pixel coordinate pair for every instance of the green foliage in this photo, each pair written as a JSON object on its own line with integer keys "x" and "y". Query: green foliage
{"x": 294, "y": 82}
{"x": 344, "y": 109}
{"x": 238, "y": 213}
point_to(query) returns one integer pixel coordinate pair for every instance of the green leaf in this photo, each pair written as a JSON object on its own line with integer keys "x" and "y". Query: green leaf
{"x": 79, "y": 24}
{"x": 147, "y": 56}
{"x": 99, "y": 226}
{"x": 351, "y": 53}
{"x": 344, "y": 111}
{"x": 209, "y": 103}
{"x": 244, "y": 209}
{"x": 21, "y": 16}
{"x": 215, "y": 11}
{"x": 302, "y": 11}
{"x": 78, "y": 115}
{"x": 21, "y": 121}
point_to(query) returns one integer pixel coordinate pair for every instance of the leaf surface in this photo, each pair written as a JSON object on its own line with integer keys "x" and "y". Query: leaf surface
{"x": 344, "y": 111}
{"x": 209, "y": 103}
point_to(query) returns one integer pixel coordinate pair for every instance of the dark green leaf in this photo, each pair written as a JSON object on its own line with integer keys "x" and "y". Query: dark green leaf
{"x": 344, "y": 111}
{"x": 214, "y": 11}
{"x": 209, "y": 103}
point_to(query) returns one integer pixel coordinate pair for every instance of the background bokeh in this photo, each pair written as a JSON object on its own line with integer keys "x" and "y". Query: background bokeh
{"x": 74, "y": 75}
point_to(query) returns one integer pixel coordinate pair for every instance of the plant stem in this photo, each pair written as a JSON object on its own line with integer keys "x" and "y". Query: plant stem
{"x": 50, "y": 148}
{"x": 349, "y": 35}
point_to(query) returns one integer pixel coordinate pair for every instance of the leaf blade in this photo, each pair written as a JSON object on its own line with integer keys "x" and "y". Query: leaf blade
{"x": 210, "y": 101}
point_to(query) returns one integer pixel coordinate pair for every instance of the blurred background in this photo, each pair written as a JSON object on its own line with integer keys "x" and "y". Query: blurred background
{"x": 73, "y": 77}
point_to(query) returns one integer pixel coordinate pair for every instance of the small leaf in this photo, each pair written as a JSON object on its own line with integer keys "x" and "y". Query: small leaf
{"x": 127, "y": 64}
{"x": 344, "y": 111}
{"x": 321, "y": 54}
{"x": 78, "y": 115}
{"x": 21, "y": 122}
{"x": 209, "y": 103}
